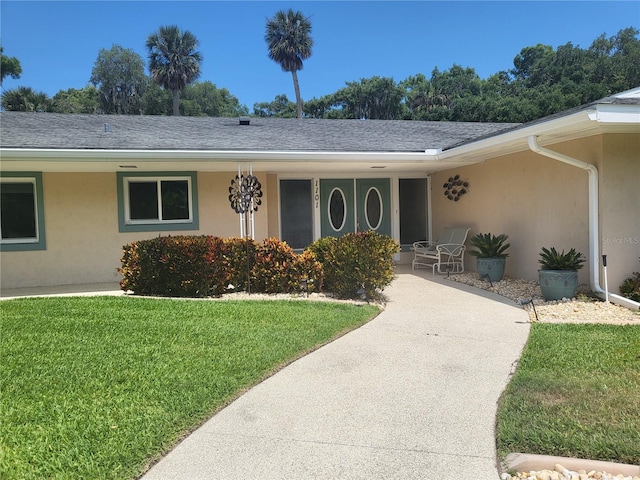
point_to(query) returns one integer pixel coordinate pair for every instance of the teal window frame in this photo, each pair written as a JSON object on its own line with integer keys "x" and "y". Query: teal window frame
{"x": 40, "y": 241}
{"x": 125, "y": 226}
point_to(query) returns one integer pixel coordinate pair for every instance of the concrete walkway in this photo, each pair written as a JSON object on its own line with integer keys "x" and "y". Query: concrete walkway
{"x": 86, "y": 289}
{"x": 410, "y": 395}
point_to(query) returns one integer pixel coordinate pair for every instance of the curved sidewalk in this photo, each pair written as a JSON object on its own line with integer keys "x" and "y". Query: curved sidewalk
{"x": 410, "y": 395}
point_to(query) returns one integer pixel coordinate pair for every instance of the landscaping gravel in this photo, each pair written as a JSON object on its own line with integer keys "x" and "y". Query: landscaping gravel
{"x": 582, "y": 309}
{"x": 562, "y": 473}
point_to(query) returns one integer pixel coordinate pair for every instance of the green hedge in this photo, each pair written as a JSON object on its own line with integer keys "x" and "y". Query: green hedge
{"x": 181, "y": 266}
{"x": 200, "y": 266}
{"x": 356, "y": 260}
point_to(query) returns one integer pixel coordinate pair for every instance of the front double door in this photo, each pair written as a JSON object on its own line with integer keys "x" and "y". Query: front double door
{"x": 355, "y": 205}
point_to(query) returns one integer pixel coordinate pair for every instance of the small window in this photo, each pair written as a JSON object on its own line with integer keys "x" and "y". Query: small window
{"x": 158, "y": 202}
{"x": 337, "y": 209}
{"x": 373, "y": 208}
{"x": 21, "y": 212}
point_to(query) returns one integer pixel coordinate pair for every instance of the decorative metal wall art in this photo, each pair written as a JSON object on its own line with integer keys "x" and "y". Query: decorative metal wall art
{"x": 455, "y": 188}
{"x": 245, "y": 193}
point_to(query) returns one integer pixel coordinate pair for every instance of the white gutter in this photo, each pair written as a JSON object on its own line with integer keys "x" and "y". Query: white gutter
{"x": 594, "y": 257}
{"x": 44, "y": 154}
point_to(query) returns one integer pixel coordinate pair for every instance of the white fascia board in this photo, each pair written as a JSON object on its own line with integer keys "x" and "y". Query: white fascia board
{"x": 204, "y": 155}
{"x": 517, "y": 139}
{"x": 599, "y": 116}
{"x": 633, "y": 93}
{"x": 618, "y": 114}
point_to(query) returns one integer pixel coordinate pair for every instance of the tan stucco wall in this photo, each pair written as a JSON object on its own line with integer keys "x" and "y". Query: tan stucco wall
{"x": 273, "y": 214}
{"x": 540, "y": 202}
{"x": 81, "y": 224}
{"x": 620, "y": 207}
{"x": 535, "y": 200}
{"x": 216, "y": 216}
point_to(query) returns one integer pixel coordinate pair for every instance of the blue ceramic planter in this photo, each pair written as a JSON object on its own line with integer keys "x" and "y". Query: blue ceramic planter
{"x": 494, "y": 267}
{"x": 558, "y": 284}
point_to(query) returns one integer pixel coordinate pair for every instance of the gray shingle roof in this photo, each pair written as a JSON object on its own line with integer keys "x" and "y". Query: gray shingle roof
{"x": 68, "y": 131}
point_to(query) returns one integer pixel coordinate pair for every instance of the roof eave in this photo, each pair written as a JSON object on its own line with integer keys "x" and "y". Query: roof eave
{"x": 601, "y": 119}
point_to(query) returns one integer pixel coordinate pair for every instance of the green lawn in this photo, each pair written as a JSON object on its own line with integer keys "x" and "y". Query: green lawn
{"x": 95, "y": 388}
{"x": 576, "y": 393}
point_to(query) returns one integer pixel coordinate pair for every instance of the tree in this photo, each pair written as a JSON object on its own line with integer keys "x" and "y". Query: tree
{"x": 281, "y": 107}
{"x": 205, "y": 99}
{"x": 318, "y": 107}
{"x": 9, "y": 66}
{"x": 530, "y": 64}
{"x": 289, "y": 43}
{"x": 450, "y": 95}
{"x": 616, "y": 60}
{"x": 173, "y": 60}
{"x": 119, "y": 75}
{"x": 418, "y": 96}
{"x": 86, "y": 100}
{"x": 375, "y": 98}
{"x": 156, "y": 100}
{"x": 25, "y": 99}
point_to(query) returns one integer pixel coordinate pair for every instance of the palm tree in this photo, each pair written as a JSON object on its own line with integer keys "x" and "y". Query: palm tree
{"x": 289, "y": 43}
{"x": 25, "y": 99}
{"x": 9, "y": 66}
{"x": 173, "y": 60}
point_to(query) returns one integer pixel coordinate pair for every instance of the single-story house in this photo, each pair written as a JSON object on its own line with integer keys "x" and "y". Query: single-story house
{"x": 76, "y": 188}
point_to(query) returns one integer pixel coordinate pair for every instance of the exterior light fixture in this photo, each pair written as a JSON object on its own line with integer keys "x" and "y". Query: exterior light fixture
{"x": 530, "y": 301}
{"x": 487, "y": 277}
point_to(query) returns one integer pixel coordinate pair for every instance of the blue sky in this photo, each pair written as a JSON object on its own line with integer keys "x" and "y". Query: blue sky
{"x": 58, "y": 42}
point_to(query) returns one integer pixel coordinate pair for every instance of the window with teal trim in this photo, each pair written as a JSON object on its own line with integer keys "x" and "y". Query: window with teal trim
{"x": 21, "y": 212}
{"x": 157, "y": 201}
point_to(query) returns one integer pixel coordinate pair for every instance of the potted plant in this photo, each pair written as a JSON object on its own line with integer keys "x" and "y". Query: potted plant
{"x": 558, "y": 274}
{"x": 490, "y": 254}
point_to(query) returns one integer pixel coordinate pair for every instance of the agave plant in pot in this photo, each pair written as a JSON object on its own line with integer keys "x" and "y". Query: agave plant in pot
{"x": 558, "y": 274}
{"x": 490, "y": 255}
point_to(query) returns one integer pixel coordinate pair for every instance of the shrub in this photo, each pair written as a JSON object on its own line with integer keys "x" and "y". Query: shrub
{"x": 274, "y": 268}
{"x": 278, "y": 269}
{"x": 357, "y": 260}
{"x": 630, "y": 288}
{"x": 321, "y": 248}
{"x": 236, "y": 261}
{"x": 307, "y": 266}
{"x": 198, "y": 266}
{"x": 490, "y": 246}
{"x": 182, "y": 266}
{"x": 550, "y": 259}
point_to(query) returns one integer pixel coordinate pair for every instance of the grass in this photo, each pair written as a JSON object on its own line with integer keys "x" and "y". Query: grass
{"x": 100, "y": 387}
{"x": 576, "y": 393}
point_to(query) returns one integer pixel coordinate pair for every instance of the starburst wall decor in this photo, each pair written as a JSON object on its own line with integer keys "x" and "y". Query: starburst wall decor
{"x": 455, "y": 188}
{"x": 245, "y": 194}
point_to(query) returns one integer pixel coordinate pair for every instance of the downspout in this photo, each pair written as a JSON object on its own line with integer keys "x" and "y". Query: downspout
{"x": 594, "y": 258}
